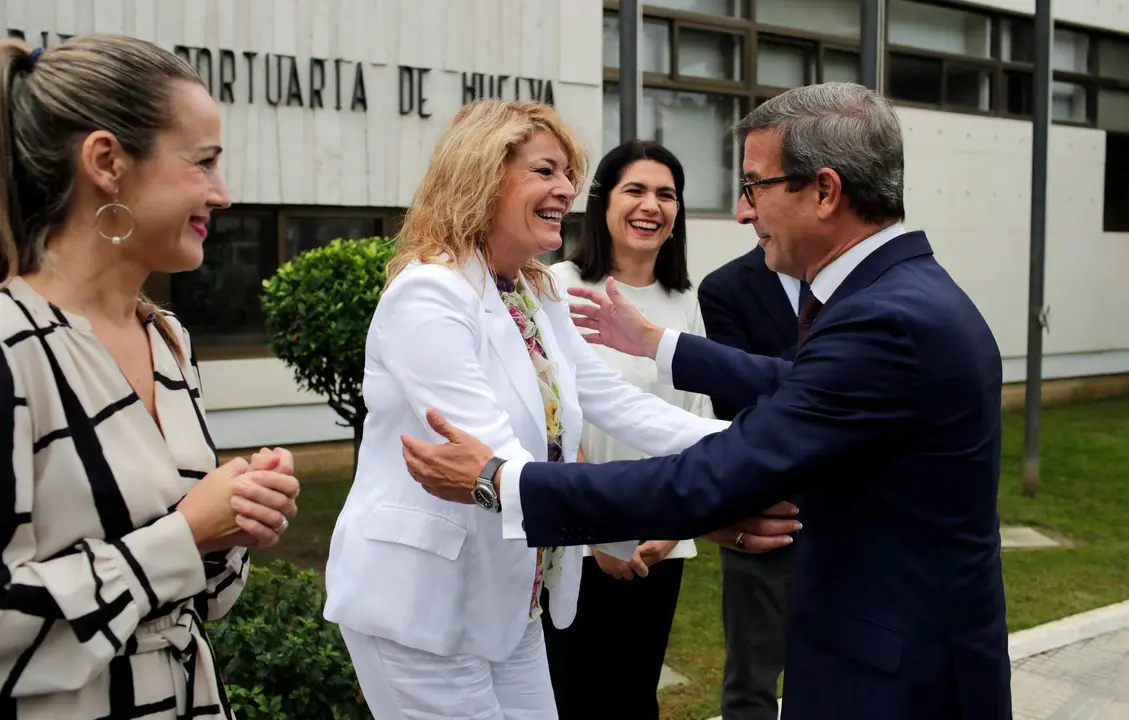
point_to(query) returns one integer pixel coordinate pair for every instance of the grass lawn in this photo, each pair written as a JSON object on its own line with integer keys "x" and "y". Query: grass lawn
{"x": 1083, "y": 498}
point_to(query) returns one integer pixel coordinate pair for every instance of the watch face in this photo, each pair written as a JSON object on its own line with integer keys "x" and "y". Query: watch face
{"x": 484, "y": 497}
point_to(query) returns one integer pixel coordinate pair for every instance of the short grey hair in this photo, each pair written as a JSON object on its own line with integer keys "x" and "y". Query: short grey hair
{"x": 845, "y": 127}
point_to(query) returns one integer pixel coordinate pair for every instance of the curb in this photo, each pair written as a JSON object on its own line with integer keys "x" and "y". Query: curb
{"x": 1068, "y": 630}
{"x": 779, "y": 707}
{"x": 1062, "y": 632}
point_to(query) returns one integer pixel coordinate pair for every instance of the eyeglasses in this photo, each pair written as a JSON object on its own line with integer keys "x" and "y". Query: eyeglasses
{"x": 747, "y": 186}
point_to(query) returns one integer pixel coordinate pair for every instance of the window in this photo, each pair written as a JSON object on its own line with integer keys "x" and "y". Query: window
{"x": 1091, "y": 79}
{"x": 943, "y": 56}
{"x": 696, "y": 127}
{"x": 980, "y": 61}
{"x": 704, "y": 54}
{"x": 306, "y": 232}
{"x": 654, "y": 43}
{"x": 1116, "y": 217}
{"x": 785, "y": 63}
{"x": 694, "y": 59}
{"x": 707, "y": 62}
{"x": 1113, "y": 59}
{"x": 219, "y": 302}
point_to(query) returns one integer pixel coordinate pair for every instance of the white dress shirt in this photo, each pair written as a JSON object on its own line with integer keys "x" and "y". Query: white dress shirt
{"x": 823, "y": 286}
{"x": 792, "y": 289}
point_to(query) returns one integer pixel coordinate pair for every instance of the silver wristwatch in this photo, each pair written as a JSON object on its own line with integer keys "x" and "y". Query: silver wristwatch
{"x": 483, "y": 493}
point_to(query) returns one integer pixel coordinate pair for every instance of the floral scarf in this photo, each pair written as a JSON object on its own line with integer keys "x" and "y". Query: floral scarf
{"x": 521, "y": 305}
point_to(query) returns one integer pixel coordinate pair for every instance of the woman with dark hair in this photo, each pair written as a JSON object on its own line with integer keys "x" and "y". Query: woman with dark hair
{"x": 635, "y": 231}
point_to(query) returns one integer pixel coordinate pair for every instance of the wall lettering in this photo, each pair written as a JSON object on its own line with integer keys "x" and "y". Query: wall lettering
{"x": 289, "y": 81}
{"x": 479, "y": 85}
{"x": 412, "y": 97}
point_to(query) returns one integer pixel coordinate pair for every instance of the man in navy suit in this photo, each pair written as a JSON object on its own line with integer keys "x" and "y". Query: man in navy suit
{"x": 886, "y": 424}
{"x": 747, "y": 305}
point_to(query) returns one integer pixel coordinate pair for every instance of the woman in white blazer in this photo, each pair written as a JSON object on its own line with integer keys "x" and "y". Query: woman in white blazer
{"x": 440, "y": 614}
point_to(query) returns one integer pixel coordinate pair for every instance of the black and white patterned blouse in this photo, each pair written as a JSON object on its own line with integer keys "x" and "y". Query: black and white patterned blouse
{"x": 102, "y": 590}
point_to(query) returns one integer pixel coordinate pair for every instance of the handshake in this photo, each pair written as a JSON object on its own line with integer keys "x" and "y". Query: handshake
{"x": 771, "y": 530}
{"x": 243, "y": 504}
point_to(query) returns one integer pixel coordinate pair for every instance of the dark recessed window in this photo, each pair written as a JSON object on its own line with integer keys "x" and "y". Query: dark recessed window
{"x": 915, "y": 79}
{"x": 311, "y": 231}
{"x": 219, "y": 302}
{"x": 1019, "y": 93}
{"x": 967, "y": 88}
{"x": 1017, "y": 38}
{"x": 1116, "y": 217}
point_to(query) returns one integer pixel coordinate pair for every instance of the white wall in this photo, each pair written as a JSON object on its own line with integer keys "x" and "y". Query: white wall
{"x": 298, "y": 155}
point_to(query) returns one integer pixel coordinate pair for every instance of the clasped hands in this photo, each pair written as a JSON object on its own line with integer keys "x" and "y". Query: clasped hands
{"x": 243, "y": 504}
{"x": 449, "y": 471}
{"x": 646, "y": 555}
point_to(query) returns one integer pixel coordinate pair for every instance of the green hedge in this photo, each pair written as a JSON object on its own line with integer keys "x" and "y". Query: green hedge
{"x": 280, "y": 659}
{"x": 317, "y": 310}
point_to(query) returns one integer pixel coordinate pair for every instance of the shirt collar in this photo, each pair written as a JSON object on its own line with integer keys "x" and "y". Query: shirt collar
{"x": 828, "y": 280}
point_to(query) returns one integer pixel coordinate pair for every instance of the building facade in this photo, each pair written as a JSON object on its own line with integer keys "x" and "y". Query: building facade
{"x": 331, "y": 109}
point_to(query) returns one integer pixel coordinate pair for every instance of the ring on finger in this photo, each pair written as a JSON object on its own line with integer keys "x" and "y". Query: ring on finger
{"x": 740, "y": 541}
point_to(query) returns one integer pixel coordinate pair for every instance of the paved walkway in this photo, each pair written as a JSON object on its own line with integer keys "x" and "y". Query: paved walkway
{"x": 1087, "y": 680}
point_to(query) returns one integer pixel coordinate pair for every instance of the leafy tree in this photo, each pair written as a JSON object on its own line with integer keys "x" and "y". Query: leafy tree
{"x": 317, "y": 309}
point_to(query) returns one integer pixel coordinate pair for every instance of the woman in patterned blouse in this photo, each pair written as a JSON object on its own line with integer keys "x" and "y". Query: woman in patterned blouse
{"x": 120, "y": 536}
{"x": 440, "y": 613}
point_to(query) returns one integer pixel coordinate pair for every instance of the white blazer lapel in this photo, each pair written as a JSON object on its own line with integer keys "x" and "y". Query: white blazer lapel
{"x": 506, "y": 340}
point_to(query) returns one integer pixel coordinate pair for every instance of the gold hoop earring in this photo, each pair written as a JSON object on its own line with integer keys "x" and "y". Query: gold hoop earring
{"x": 115, "y": 239}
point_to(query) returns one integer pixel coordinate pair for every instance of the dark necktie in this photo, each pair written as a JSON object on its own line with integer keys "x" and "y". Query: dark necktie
{"x": 809, "y": 308}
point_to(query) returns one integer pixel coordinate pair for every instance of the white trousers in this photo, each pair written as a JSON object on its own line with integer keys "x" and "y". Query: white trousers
{"x": 402, "y": 683}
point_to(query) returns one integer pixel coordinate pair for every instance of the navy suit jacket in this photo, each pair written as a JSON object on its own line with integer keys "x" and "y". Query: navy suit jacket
{"x": 744, "y": 306}
{"x": 888, "y": 422}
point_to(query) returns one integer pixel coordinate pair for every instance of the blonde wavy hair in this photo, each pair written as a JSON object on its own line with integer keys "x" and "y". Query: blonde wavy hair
{"x": 455, "y": 203}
